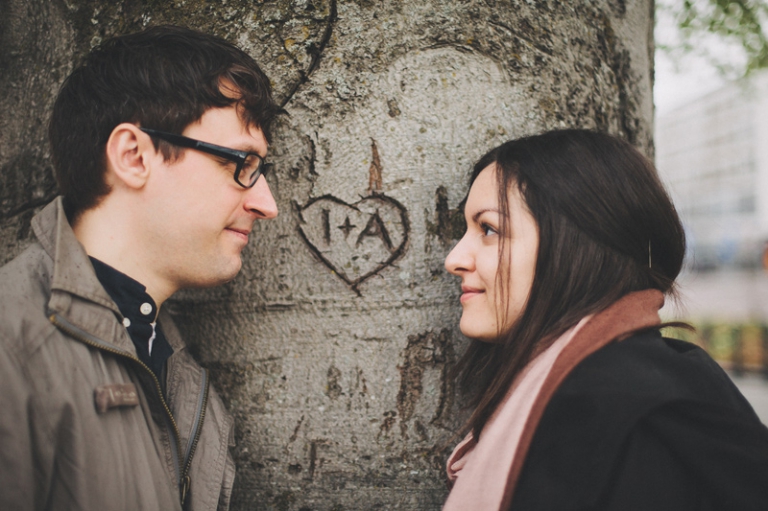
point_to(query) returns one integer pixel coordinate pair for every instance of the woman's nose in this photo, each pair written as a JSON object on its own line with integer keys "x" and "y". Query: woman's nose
{"x": 460, "y": 258}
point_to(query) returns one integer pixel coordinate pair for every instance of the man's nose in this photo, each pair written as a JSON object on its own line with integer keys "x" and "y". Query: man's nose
{"x": 259, "y": 200}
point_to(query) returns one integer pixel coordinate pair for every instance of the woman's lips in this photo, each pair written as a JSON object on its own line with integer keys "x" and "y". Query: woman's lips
{"x": 467, "y": 293}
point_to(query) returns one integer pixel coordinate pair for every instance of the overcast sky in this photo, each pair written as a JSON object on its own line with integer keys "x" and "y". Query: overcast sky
{"x": 691, "y": 76}
{"x": 676, "y": 87}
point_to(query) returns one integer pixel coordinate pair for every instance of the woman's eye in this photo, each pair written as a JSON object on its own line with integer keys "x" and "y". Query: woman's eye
{"x": 487, "y": 229}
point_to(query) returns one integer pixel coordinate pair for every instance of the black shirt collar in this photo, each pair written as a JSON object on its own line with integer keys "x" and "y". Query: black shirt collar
{"x": 130, "y": 295}
{"x": 139, "y": 314}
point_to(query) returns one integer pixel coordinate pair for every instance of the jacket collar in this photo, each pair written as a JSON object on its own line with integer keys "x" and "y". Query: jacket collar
{"x": 72, "y": 270}
{"x": 74, "y": 280}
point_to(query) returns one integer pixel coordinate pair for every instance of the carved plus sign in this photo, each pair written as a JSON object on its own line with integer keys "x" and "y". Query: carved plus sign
{"x": 346, "y": 227}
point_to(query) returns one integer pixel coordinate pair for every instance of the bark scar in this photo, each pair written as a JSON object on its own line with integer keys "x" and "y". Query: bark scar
{"x": 374, "y": 171}
{"x": 304, "y": 75}
{"x": 429, "y": 350}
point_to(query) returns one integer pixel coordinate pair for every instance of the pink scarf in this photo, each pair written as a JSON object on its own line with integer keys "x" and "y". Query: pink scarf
{"x": 485, "y": 473}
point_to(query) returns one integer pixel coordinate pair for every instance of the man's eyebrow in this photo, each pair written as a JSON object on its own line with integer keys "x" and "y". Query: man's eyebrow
{"x": 487, "y": 210}
{"x": 246, "y": 148}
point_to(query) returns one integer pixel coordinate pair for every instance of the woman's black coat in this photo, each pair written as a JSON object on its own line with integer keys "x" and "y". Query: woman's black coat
{"x": 647, "y": 423}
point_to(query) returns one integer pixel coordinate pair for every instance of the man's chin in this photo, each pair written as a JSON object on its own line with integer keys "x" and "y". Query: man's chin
{"x": 230, "y": 274}
{"x": 212, "y": 279}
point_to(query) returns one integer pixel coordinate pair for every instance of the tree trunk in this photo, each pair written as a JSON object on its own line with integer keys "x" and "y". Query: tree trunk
{"x": 334, "y": 345}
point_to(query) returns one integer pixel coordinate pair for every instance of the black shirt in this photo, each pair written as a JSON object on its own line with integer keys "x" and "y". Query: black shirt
{"x": 139, "y": 315}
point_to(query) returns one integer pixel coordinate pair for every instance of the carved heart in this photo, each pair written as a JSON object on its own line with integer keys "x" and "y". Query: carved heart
{"x": 356, "y": 241}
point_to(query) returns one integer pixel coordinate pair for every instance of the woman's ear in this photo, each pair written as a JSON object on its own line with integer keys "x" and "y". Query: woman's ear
{"x": 129, "y": 155}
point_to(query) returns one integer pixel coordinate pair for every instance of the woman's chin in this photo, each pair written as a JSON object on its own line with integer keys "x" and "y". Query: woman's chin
{"x": 480, "y": 334}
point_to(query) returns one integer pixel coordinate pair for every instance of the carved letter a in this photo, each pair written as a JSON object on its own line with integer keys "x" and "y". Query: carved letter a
{"x": 375, "y": 228}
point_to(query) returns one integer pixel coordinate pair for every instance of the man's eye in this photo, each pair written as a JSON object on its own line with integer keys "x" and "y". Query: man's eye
{"x": 251, "y": 164}
{"x": 224, "y": 161}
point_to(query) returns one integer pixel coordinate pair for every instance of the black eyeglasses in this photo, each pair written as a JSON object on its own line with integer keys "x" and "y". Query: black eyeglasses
{"x": 249, "y": 165}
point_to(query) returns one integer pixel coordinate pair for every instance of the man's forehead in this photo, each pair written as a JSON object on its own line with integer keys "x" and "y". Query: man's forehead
{"x": 228, "y": 122}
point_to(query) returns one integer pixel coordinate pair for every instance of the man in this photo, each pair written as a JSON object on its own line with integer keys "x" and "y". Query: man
{"x": 158, "y": 142}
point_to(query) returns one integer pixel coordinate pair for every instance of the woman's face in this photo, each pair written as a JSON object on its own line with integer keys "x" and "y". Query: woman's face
{"x": 476, "y": 259}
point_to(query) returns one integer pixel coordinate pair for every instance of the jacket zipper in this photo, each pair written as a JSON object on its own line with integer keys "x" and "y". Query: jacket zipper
{"x": 182, "y": 472}
{"x": 197, "y": 429}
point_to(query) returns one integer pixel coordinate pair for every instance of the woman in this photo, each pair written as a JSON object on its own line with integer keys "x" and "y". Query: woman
{"x": 571, "y": 245}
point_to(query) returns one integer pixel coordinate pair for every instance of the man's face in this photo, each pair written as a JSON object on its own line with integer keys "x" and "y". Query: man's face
{"x": 199, "y": 219}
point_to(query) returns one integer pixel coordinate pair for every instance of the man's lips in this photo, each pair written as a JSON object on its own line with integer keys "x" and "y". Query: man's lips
{"x": 242, "y": 233}
{"x": 467, "y": 293}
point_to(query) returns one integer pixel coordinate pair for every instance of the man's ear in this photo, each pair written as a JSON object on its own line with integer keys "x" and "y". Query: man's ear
{"x": 130, "y": 153}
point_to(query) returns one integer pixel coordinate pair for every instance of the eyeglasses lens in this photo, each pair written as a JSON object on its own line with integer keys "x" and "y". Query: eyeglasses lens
{"x": 250, "y": 171}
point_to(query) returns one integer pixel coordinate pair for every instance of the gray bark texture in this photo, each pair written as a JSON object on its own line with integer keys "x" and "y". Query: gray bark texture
{"x": 333, "y": 346}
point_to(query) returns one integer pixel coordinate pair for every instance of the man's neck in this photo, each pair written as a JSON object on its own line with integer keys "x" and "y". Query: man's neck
{"x": 109, "y": 239}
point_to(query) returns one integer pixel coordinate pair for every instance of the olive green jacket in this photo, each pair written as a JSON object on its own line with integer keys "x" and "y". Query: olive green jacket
{"x": 83, "y": 423}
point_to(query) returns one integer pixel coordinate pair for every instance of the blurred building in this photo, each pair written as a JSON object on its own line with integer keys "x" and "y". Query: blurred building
{"x": 712, "y": 154}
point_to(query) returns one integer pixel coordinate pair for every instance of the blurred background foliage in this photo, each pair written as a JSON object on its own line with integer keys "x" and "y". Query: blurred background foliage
{"x": 732, "y": 37}
{"x": 738, "y": 346}
{"x": 730, "y": 34}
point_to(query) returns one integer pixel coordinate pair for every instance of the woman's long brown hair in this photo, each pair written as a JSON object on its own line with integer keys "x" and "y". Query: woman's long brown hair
{"x": 606, "y": 228}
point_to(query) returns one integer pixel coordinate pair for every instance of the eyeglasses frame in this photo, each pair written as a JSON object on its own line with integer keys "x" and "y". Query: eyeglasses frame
{"x": 233, "y": 155}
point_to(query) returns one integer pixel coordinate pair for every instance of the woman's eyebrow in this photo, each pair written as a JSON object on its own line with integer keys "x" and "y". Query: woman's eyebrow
{"x": 487, "y": 210}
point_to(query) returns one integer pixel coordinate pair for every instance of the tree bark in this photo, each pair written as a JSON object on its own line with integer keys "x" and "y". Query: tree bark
{"x": 333, "y": 347}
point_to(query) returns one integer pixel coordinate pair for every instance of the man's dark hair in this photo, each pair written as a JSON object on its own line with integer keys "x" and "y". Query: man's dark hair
{"x": 164, "y": 78}
{"x": 606, "y": 228}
